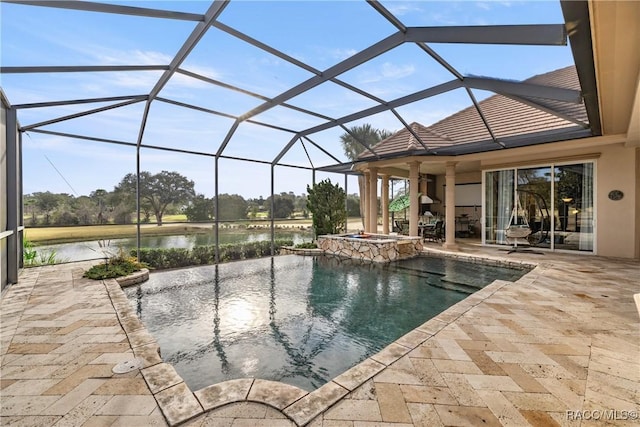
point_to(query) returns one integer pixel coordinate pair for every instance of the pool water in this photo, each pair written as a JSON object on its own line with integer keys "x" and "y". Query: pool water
{"x": 298, "y": 320}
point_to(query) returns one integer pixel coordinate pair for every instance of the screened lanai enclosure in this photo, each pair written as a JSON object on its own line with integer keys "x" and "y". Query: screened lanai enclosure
{"x": 255, "y": 97}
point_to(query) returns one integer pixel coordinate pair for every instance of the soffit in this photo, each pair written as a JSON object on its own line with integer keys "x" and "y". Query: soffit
{"x": 616, "y": 34}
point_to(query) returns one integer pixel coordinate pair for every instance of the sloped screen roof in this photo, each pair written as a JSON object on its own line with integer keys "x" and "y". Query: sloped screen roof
{"x": 279, "y": 82}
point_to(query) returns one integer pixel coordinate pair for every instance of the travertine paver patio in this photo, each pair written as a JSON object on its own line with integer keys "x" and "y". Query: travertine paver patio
{"x": 557, "y": 347}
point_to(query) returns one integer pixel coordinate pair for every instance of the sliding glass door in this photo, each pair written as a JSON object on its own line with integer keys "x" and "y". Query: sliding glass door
{"x": 574, "y": 207}
{"x": 555, "y": 203}
{"x": 499, "y": 186}
{"x": 534, "y": 196}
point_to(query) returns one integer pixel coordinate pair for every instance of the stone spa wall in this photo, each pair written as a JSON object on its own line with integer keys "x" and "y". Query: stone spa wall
{"x": 371, "y": 247}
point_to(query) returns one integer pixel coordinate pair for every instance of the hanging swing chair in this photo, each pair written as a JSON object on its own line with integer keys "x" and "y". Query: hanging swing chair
{"x": 539, "y": 229}
{"x": 519, "y": 227}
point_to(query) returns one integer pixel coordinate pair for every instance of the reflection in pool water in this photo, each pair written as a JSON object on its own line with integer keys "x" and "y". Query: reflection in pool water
{"x": 299, "y": 320}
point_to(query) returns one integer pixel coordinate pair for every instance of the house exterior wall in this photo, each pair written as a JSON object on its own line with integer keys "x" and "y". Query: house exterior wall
{"x": 474, "y": 177}
{"x": 617, "y": 167}
{"x": 616, "y": 224}
{"x": 637, "y": 188}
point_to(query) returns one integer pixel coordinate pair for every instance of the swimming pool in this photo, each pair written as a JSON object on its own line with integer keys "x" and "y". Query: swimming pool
{"x": 298, "y": 320}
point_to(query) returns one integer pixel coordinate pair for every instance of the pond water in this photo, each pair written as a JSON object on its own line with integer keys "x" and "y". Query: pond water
{"x": 81, "y": 251}
{"x": 299, "y": 320}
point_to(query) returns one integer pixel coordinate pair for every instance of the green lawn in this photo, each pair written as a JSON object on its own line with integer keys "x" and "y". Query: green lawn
{"x": 173, "y": 218}
{"x": 45, "y": 235}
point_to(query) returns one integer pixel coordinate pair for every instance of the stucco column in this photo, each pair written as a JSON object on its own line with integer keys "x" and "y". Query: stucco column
{"x": 365, "y": 204}
{"x": 450, "y": 209}
{"x": 373, "y": 200}
{"x": 385, "y": 204}
{"x": 414, "y": 207}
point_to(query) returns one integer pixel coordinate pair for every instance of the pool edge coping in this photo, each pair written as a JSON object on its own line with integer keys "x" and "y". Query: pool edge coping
{"x": 180, "y": 404}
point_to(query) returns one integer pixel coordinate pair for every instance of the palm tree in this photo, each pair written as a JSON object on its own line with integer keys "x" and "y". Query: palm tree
{"x": 352, "y": 143}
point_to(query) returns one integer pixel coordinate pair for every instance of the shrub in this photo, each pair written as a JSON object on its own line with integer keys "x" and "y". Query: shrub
{"x": 265, "y": 247}
{"x": 230, "y": 252}
{"x": 176, "y": 257}
{"x": 202, "y": 255}
{"x": 306, "y": 245}
{"x": 66, "y": 218}
{"x": 32, "y": 257}
{"x": 117, "y": 266}
{"x": 29, "y": 253}
{"x": 151, "y": 257}
{"x": 327, "y": 204}
{"x": 280, "y": 243}
{"x": 251, "y": 250}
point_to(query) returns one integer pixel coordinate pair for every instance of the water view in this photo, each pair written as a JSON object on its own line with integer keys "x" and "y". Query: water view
{"x": 81, "y": 251}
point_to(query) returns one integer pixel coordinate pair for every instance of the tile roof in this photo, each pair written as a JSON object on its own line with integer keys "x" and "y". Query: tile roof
{"x": 509, "y": 118}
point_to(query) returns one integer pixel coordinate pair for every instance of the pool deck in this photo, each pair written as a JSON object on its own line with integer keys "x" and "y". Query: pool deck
{"x": 560, "y": 346}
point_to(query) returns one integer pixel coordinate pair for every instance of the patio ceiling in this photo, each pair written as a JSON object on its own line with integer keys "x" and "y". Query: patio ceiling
{"x": 249, "y": 92}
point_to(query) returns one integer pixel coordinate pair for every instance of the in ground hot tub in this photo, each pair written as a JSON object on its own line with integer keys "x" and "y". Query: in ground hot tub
{"x": 371, "y": 247}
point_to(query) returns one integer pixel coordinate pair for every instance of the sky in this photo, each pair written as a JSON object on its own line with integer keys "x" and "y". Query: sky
{"x": 317, "y": 33}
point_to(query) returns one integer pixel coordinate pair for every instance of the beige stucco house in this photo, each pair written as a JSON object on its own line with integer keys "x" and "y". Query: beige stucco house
{"x": 533, "y": 160}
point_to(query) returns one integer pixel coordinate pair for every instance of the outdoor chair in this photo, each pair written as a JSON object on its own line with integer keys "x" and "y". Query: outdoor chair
{"x": 401, "y": 226}
{"x": 435, "y": 234}
{"x": 405, "y": 228}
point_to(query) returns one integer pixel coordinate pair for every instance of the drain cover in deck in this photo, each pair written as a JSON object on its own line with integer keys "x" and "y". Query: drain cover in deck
{"x": 127, "y": 366}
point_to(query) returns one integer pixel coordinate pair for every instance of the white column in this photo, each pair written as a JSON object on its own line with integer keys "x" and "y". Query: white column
{"x": 450, "y": 209}
{"x": 385, "y": 204}
{"x": 365, "y": 204}
{"x": 373, "y": 200}
{"x": 414, "y": 207}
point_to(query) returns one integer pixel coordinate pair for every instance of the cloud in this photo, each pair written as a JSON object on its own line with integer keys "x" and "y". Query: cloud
{"x": 145, "y": 80}
{"x": 443, "y": 19}
{"x": 139, "y": 81}
{"x": 402, "y": 8}
{"x": 136, "y": 56}
{"x": 483, "y": 5}
{"x": 392, "y": 71}
{"x": 342, "y": 53}
{"x": 387, "y": 71}
{"x": 74, "y": 148}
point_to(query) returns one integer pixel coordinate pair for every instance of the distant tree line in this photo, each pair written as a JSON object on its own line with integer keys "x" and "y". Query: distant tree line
{"x": 164, "y": 193}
